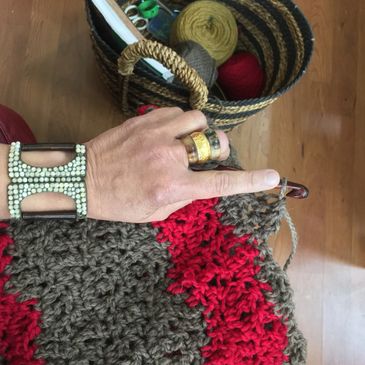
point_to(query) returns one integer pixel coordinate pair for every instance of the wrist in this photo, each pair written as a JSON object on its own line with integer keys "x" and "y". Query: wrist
{"x": 46, "y": 158}
{"x": 4, "y": 181}
{"x": 47, "y": 201}
{"x": 91, "y": 184}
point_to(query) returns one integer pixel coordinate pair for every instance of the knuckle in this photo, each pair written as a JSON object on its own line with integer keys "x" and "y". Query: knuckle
{"x": 131, "y": 121}
{"x": 158, "y": 198}
{"x": 176, "y": 109}
{"x": 252, "y": 180}
{"x": 221, "y": 183}
{"x": 162, "y": 192}
{"x": 129, "y": 125}
{"x": 197, "y": 113}
{"x": 197, "y": 117}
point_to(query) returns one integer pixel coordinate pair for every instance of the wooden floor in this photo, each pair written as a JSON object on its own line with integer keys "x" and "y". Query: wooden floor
{"x": 314, "y": 135}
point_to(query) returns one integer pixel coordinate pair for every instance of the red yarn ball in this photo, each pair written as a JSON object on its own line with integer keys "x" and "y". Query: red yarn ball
{"x": 241, "y": 77}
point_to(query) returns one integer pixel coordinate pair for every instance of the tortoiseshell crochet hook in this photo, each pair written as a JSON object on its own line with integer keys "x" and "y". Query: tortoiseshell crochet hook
{"x": 295, "y": 190}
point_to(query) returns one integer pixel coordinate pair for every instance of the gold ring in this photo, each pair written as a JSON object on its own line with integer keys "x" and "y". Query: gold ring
{"x": 214, "y": 142}
{"x": 190, "y": 149}
{"x": 202, "y": 146}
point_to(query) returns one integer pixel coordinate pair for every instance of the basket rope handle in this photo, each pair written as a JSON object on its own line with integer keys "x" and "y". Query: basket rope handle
{"x": 170, "y": 59}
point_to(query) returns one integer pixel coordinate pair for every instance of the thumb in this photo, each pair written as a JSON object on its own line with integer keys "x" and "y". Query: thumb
{"x": 210, "y": 184}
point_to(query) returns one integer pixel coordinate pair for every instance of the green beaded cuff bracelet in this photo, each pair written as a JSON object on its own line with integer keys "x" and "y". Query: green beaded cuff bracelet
{"x": 26, "y": 180}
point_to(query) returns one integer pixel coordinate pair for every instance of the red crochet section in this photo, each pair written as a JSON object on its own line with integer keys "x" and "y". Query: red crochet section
{"x": 18, "y": 320}
{"x": 217, "y": 270}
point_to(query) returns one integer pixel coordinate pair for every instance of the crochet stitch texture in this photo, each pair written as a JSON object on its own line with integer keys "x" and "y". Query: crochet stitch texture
{"x": 200, "y": 287}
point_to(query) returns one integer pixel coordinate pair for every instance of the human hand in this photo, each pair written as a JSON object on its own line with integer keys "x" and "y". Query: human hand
{"x": 138, "y": 172}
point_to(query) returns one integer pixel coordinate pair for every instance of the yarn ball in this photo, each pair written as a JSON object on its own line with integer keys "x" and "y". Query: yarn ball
{"x": 241, "y": 77}
{"x": 209, "y": 23}
{"x": 144, "y": 109}
{"x": 199, "y": 59}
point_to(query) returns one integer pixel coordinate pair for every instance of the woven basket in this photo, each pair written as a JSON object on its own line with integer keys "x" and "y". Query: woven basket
{"x": 274, "y": 30}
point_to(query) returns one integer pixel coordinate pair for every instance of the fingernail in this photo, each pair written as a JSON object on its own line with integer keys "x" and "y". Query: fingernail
{"x": 272, "y": 178}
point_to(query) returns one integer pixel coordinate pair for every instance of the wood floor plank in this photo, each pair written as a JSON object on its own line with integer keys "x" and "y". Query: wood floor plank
{"x": 357, "y": 294}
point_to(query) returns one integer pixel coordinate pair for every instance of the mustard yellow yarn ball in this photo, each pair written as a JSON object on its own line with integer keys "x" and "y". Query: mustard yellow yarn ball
{"x": 209, "y": 23}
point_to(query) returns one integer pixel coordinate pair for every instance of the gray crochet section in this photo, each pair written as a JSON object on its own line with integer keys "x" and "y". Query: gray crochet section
{"x": 102, "y": 293}
{"x": 102, "y": 287}
{"x": 260, "y": 215}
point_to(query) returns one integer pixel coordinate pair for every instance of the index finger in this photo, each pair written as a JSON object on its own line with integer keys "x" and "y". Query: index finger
{"x": 210, "y": 184}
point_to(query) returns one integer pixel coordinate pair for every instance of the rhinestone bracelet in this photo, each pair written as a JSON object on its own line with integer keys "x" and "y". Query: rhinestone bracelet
{"x": 26, "y": 180}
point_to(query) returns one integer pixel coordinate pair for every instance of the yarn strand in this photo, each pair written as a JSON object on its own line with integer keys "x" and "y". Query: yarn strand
{"x": 289, "y": 221}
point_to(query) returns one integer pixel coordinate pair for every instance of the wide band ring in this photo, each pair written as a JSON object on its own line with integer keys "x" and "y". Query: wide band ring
{"x": 215, "y": 145}
{"x": 202, "y": 146}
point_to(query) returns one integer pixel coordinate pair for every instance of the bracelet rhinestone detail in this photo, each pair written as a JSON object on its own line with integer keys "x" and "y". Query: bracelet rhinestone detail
{"x": 68, "y": 179}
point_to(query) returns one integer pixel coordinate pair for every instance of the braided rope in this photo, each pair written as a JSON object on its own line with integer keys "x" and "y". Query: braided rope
{"x": 169, "y": 58}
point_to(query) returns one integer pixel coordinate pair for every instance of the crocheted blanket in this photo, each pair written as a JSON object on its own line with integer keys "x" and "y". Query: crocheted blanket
{"x": 199, "y": 287}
